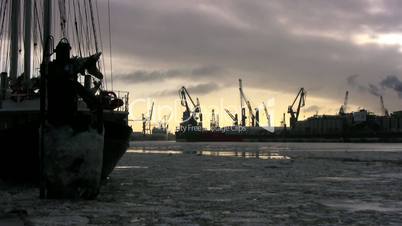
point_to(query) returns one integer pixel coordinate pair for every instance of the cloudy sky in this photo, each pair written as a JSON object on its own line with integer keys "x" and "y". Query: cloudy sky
{"x": 275, "y": 46}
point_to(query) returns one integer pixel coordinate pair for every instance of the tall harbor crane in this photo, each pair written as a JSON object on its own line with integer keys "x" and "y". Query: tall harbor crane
{"x": 301, "y": 96}
{"x": 267, "y": 114}
{"x": 191, "y": 116}
{"x": 146, "y": 121}
{"x": 233, "y": 117}
{"x": 343, "y": 108}
{"x": 383, "y": 109}
{"x": 243, "y": 99}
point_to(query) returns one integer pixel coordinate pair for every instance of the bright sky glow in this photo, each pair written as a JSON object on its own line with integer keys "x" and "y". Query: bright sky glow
{"x": 380, "y": 39}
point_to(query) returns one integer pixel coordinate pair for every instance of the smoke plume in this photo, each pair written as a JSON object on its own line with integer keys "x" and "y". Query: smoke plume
{"x": 370, "y": 88}
{"x": 392, "y": 82}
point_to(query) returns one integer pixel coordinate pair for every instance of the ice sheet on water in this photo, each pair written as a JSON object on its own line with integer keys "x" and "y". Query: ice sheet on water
{"x": 357, "y": 205}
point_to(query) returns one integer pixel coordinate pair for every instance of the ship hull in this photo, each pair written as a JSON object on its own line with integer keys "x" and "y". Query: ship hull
{"x": 230, "y": 134}
{"x": 19, "y": 138}
{"x": 149, "y": 137}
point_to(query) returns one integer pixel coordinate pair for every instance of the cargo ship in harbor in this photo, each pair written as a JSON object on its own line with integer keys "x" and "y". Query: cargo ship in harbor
{"x": 150, "y": 132}
{"x": 359, "y": 126}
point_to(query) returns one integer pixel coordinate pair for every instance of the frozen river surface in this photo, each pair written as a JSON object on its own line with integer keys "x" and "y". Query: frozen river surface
{"x": 168, "y": 183}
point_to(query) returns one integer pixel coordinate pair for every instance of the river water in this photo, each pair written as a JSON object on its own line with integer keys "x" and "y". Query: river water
{"x": 169, "y": 183}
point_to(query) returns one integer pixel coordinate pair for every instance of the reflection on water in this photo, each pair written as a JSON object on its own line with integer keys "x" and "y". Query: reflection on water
{"x": 274, "y": 151}
{"x": 131, "y": 167}
{"x": 241, "y": 154}
{"x": 272, "y": 147}
{"x": 145, "y": 151}
{"x": 343, "y": 179}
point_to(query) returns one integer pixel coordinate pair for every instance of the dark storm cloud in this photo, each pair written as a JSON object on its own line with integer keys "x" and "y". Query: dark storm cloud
{"x": 207, "y": 70}
{"x": 203, "y": 88}
{"x": 200, "y": 89}
{"x": 142, "y": 76}
{"x": 150, "y": 76}
{"x": 278, "y": 45}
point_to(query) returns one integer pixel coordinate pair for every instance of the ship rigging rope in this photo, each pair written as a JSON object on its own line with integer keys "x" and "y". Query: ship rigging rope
{"x": 54, "y": 8}
{"x": 21, "y": 27}
{"x": 71, "y": 23}
{"x": 76, "y": 28}
{"x": 86, "y": 29}
{"x": 88, "y": 34}
{"x": 93, "y": 25}
{"x": 80, "y": 21}
{"x": 8, "y": 17}
{"x": 35, "y": 28}
{"x": 1, "y": 31}
{"x": 63, "y": 19}
{"x": 72, "y": 37}
{"x": 2, "y": 9}
{"x": 94, "y": 31}
{"x": 81, "y": 33}
{"x": 101, "y": 43}
{"x": 37, "y": 19}
{"x": 37, "y": 33}
{"x": 74, "y": 20}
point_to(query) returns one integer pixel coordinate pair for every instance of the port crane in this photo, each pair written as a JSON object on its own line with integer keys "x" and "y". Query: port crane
{"x": 190, "y": 116}
{"x": 243, "y": 99}
{"x": 343, "y": 108}
{"x": 146, "y": 121}
{"x": 383, "y": 109}
{"x": 301, "y": 96}
{"x": 267, "y": 114}
{"x": 233, "y": 117}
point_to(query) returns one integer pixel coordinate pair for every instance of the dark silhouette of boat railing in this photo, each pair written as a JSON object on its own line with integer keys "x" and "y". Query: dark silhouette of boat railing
{"x": 122, "y": 95}
{"x": 19, "y": 91}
